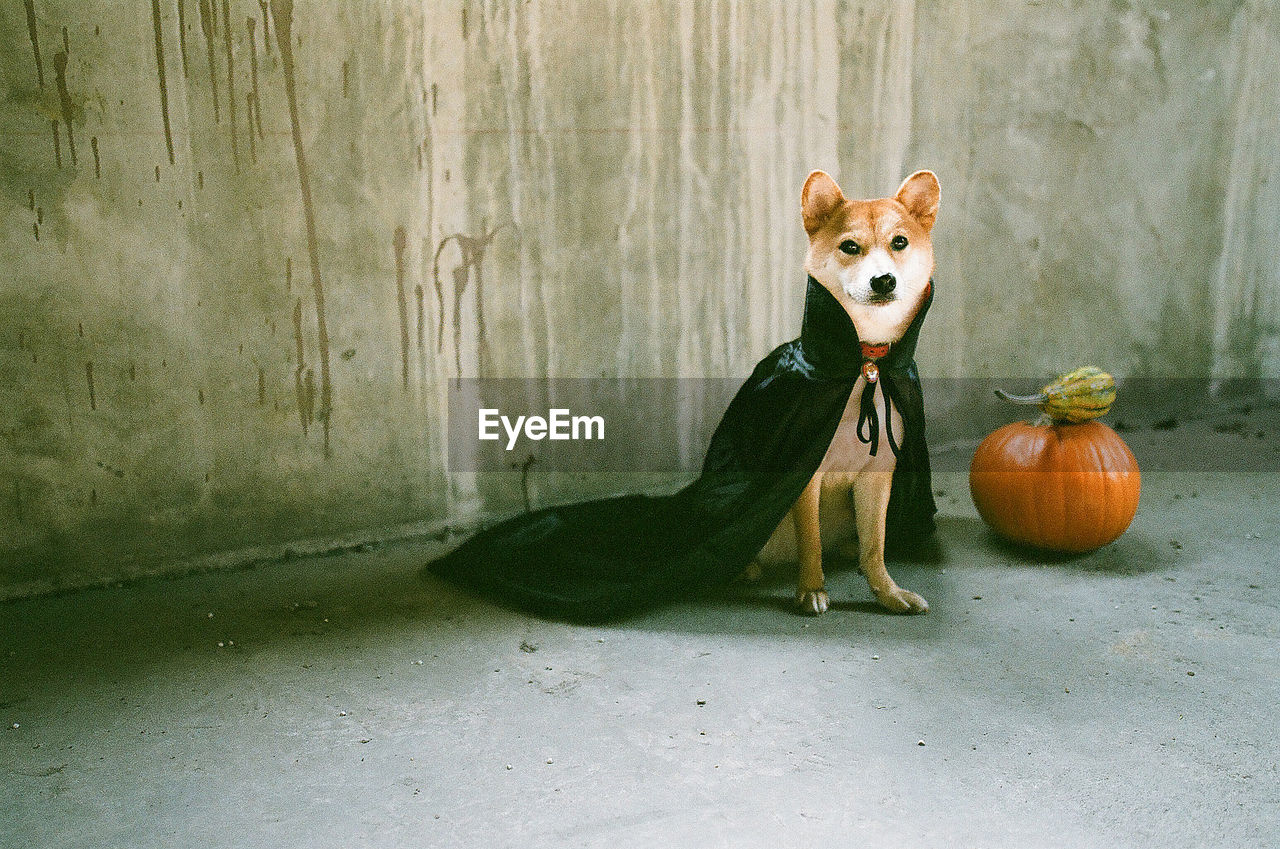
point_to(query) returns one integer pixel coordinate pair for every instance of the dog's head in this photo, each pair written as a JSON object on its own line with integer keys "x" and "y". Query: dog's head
{"x": 874, "y": 256}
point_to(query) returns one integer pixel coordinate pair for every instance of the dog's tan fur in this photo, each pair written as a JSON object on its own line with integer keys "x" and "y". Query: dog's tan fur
{"x": 821, "y": 517}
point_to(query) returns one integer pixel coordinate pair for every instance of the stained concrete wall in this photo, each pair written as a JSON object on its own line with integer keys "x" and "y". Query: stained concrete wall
{"x": 561, "y": 188}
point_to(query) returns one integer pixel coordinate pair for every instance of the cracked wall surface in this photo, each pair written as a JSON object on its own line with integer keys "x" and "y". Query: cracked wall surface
{"x": 247, "y": 245}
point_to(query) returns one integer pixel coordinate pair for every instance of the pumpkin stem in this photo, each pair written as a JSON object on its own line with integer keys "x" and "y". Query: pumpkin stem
{"x": 1038, "y": 398}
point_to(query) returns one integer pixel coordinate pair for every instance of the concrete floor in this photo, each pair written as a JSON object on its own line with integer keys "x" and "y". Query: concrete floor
{"x": 1125, "y": 698}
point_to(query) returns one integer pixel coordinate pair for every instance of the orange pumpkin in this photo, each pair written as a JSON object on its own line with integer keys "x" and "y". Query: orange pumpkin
{"x": 1065, "y": 487}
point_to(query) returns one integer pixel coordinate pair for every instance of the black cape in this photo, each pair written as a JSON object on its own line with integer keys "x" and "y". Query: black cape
{"x": 597, "y": 560}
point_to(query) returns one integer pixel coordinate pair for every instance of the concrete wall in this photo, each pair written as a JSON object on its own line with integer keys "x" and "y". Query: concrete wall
{"x": 604, "y": 188}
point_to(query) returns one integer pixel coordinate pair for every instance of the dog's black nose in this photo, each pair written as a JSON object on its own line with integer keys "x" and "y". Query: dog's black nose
{"x": 883, "y": 284}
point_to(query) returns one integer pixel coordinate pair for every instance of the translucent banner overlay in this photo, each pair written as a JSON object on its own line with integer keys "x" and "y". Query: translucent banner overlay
{"x": 663, "y": 425}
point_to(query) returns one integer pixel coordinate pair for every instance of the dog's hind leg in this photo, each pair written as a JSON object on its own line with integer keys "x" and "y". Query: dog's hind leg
{"x": 871, "y": 505}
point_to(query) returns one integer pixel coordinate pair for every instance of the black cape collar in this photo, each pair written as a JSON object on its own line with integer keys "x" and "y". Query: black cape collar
{"x": 829, "y": 341}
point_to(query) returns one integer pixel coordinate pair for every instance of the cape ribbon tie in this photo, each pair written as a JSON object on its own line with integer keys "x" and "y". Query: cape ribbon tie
{"x": 868, "y": 416}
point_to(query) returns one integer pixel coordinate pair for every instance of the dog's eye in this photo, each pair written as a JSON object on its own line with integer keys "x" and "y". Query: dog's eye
{"x": 898, "y": 243}
{"x": 850, "y": 247}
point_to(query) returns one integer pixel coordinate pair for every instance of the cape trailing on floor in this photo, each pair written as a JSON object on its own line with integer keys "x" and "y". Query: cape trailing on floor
{"x": 596, "y": 560}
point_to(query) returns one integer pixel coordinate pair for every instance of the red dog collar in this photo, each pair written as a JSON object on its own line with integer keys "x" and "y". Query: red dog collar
{"x": 871, "y": 353}
{"x": 874, "y": 352}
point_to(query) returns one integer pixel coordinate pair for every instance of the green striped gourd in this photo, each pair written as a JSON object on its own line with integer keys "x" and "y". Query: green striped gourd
{"x": 1076, "y": 396}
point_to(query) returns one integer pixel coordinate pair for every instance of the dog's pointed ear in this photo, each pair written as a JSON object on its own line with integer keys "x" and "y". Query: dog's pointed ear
{"x": 919, "y": 193}
{"x": 820, "y": 198}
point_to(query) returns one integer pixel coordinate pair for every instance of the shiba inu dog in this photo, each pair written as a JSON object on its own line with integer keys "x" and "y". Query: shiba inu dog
{"x": 876, "y": 258}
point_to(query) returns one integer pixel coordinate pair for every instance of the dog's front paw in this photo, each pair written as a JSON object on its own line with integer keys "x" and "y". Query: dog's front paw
{"x": 812, "y": 602}
{"x": 899, "y": 600}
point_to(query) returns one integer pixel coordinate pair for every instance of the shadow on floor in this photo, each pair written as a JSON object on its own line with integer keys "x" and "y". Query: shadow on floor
{"x": 314, "y": 604}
